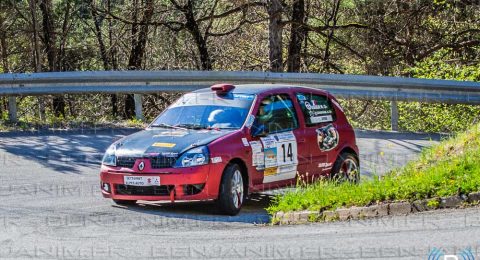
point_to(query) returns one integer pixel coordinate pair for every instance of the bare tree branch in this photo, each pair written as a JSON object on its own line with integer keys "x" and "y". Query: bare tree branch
{"x": 237, "y": 9}
{"x": 455, "y": 45}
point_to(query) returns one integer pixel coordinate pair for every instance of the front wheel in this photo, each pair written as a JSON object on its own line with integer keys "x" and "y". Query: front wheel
{"x": 231, "y": 191}
{"x": 346, "y": 168}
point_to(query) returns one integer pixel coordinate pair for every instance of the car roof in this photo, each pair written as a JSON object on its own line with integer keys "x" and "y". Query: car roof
{"x": 260, "y": 88}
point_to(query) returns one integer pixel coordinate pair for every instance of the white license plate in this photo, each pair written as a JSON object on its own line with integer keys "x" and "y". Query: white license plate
{"x": 141, "y": 180}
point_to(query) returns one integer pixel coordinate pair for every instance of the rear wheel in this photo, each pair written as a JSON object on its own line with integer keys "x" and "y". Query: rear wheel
{"x": 232, "y": 194}
{"x": 125, "y": 202}
{"x": 346, "y": 168}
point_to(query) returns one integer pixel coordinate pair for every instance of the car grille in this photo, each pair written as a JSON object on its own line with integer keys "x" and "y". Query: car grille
{"x": 162, "y": 162}
{"x": 156, "y": 162}
{"x": 126, "y": 162}
{"x": 163, "y": 190}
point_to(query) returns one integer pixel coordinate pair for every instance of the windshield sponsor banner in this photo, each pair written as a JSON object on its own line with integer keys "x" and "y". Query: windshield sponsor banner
{"x": 166, "y": 145}
{"x": 173, "y": 133}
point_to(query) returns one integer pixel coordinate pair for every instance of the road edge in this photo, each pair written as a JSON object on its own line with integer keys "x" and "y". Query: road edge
{"x": 397, "y": 208}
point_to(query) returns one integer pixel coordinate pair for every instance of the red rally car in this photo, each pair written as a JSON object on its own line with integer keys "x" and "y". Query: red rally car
{"x": 224, "y": 142}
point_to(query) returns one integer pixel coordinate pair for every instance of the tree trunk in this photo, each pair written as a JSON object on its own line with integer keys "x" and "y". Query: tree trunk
{"x": 36, "y": 52}
{"x": 107, "y": 64}
{"x": 37, "y": 60}
{"x": 200, "y": 41}
{"x": 4, "y": 50}
{"x": 49, "y": 39}
{"x": 113, "y": 59}
{"x": 97, "y": 21}
{"x": 332, "y": 19}
{"x": 61, "y": 64}
{"x": 137, "y": 53}
{"x": 113, "y": 48}
{"x": 49, "y": 33}
{"x": 275, "y": 28}
{"x": 4, "y": 53}
{"x": 129, "y": 102}
{"x": 297, "y": 34}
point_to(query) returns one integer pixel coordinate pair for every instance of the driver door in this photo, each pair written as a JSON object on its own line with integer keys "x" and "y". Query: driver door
{"x": 278, "y": 142}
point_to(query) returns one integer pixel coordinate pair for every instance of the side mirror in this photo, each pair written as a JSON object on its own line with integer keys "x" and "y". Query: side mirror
{"x": 259, "y": 130}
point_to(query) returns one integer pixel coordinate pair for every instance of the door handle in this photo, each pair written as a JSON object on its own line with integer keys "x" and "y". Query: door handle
{"x": 303, "y": 140}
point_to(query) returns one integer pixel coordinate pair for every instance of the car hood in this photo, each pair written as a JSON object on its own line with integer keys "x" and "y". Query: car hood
{"x": 166, "y": 142}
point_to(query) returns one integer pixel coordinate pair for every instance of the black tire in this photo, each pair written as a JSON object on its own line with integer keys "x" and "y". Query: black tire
{"x": 227, "y": 203}
{"x": 125, "y": 202}
{"x": 342, "y": 170}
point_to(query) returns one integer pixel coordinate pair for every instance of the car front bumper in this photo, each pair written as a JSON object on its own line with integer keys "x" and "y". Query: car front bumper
{"x": 191, "y": 183}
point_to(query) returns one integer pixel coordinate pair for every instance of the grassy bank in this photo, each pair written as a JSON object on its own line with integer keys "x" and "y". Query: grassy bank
{"x": 448, "y": 168}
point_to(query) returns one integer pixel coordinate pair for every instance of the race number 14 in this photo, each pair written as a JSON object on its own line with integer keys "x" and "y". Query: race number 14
{"x": 287, "y": 153}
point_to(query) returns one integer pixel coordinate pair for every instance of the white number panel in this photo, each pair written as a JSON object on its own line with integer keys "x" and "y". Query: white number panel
{"x": 287, "y": 149}
{"x": 280, "y": 156}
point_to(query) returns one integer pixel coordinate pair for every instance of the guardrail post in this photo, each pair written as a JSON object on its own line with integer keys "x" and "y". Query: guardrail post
{"x": 394, "y": 115}
{"x": 41, "y": 109}
{"x": 12, "y": 109}
{"x": 138, "y": 106}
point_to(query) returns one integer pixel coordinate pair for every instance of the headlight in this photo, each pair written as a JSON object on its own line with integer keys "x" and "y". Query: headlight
{"x": 194, "y": 157}
{"x": 109, "y": 158}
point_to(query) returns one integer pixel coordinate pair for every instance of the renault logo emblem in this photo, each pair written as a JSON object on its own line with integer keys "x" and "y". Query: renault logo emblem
{"x": 141, "y": 166}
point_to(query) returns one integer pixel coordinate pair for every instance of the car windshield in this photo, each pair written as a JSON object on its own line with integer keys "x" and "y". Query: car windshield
{"x": 206, "y": 110}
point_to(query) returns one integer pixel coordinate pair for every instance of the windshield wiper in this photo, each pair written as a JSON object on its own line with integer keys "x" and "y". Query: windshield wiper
{"x": 168, "y": 126}
{"x": 192, "y": 126}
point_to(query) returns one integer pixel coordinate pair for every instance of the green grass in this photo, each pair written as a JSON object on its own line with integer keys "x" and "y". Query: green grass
{"x": 448, "y": 168}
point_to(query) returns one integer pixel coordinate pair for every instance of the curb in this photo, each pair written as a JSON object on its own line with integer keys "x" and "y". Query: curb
{"x": 399, "y": 208}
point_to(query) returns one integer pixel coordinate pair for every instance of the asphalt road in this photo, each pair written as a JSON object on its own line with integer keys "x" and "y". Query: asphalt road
{"x": 51, "y": 208}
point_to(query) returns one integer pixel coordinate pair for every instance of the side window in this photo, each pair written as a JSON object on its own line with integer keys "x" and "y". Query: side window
{"x": 316, "y": 108}
{"x": 276, "y": 114}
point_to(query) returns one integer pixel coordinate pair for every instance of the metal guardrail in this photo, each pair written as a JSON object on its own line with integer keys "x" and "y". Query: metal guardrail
{"x": 141, "y": 82}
